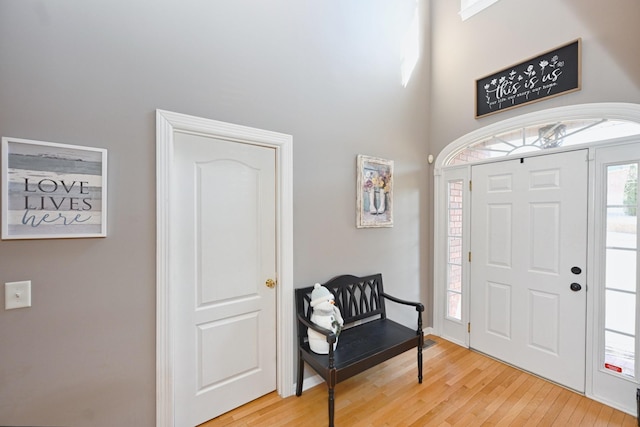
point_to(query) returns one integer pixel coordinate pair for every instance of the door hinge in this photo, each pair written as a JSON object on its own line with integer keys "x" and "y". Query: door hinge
{"x": 469, "y": 327}
{"x": 470, "y": 185}
{"x": 469, "y": 256}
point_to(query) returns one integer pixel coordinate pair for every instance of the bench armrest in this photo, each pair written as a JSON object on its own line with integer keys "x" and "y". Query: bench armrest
{"x": 331, "y": 337}
{"x": 419, "y": 306}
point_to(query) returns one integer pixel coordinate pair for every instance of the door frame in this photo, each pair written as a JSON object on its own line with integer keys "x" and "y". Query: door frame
{"x": 167, "y": 125}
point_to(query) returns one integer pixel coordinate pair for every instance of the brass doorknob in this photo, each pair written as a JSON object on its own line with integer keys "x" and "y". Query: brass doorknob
{"x": 270, "y": 283}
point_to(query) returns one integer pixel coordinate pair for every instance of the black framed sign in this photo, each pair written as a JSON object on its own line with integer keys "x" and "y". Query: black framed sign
{"x": 552, "y": 73}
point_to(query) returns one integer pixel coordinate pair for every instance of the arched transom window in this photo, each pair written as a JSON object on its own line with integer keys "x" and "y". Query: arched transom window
{"x": 544, "y": 136}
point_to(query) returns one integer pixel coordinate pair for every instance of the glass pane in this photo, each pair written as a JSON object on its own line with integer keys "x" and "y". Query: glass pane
{"x": 455, "y": 194}
{"x": 601, "y": 131}
{"x": 454, "y": 305}
{"x": 455, "y": 222}
{"x": 454, "y": 280}
{"x": 620, "y": 312}
{"x": 621, "y": 270}
{"x": 622, "y": 186}
{"x": 621, "y": 228}
{"x": 455, "y": 208}
{"x": 619, "y": 353}
{"x": 455, "y": 250}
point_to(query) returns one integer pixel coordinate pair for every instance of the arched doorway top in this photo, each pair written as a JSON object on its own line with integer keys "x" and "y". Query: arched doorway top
{"x": 542, "y": 130}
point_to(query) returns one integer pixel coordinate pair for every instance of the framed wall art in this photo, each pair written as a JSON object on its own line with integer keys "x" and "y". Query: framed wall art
{"x": 52, "y": 190}
{"x": 374, "y": 194}
{"x": 552, "y": 73}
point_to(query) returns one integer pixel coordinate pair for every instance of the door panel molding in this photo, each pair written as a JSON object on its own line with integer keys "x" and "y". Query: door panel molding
{"x": 167, "y": 125}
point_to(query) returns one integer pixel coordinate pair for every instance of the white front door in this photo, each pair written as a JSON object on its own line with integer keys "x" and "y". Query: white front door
{"x": 222, "y": 251}
{"x": 528, "y": 260}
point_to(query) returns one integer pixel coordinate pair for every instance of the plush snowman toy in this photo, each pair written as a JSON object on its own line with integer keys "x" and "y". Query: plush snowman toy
{"x": 326, "y": 315}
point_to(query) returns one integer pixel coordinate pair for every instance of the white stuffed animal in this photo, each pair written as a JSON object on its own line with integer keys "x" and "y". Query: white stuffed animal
{"x": 326, "y": 315}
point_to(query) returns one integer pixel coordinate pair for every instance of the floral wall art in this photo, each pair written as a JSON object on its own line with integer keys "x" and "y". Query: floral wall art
{"x": 374, "y": 192}
{"x": 552, "y": 73}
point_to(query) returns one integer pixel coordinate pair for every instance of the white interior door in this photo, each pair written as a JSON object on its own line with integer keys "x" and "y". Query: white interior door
{"x": 528, "y": 248}
{"x": 222, "y": 251}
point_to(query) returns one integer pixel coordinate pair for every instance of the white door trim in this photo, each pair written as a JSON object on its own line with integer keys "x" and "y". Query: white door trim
{"x": 167, "y": 124}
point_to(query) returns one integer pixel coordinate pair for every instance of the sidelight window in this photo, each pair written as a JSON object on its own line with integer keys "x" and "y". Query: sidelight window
{"x": 621, "y": 275}
{"x": 454, "y": 249}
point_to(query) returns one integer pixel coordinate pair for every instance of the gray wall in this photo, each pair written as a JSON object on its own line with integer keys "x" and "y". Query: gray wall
{"x": 511, "y": 31}
{"x": 94, "y": 72}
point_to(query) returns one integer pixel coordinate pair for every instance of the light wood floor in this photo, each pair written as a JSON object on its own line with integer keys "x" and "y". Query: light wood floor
{"x": 460, "y": 388}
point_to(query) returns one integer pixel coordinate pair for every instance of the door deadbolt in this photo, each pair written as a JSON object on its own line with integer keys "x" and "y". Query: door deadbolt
{"x": 576, "y": 270}
{"x": 270, "y": 283}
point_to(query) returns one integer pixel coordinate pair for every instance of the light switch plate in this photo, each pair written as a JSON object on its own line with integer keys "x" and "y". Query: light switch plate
{"x": 17, "y": 294}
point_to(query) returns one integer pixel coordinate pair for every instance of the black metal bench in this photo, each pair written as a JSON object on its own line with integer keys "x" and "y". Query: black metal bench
{"x": 368, "y": 338}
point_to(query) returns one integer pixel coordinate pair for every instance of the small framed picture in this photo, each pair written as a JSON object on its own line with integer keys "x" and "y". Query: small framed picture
{"x": 374, "y": 192}
{"x": 52, "y": 191}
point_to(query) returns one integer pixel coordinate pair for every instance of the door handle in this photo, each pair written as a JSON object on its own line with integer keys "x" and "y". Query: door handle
{"x": 575, "y": 287}
{"x": 270, "y": 283}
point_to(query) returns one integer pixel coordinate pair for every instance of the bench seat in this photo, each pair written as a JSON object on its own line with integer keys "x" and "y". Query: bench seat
{"x": 364, "y": 346}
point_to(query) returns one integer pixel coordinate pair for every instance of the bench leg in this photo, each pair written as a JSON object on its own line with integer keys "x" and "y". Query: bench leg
{"x": 300, "y": 374}
{"x": 419, "y": 364}
{"x": 331, "y": 406}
